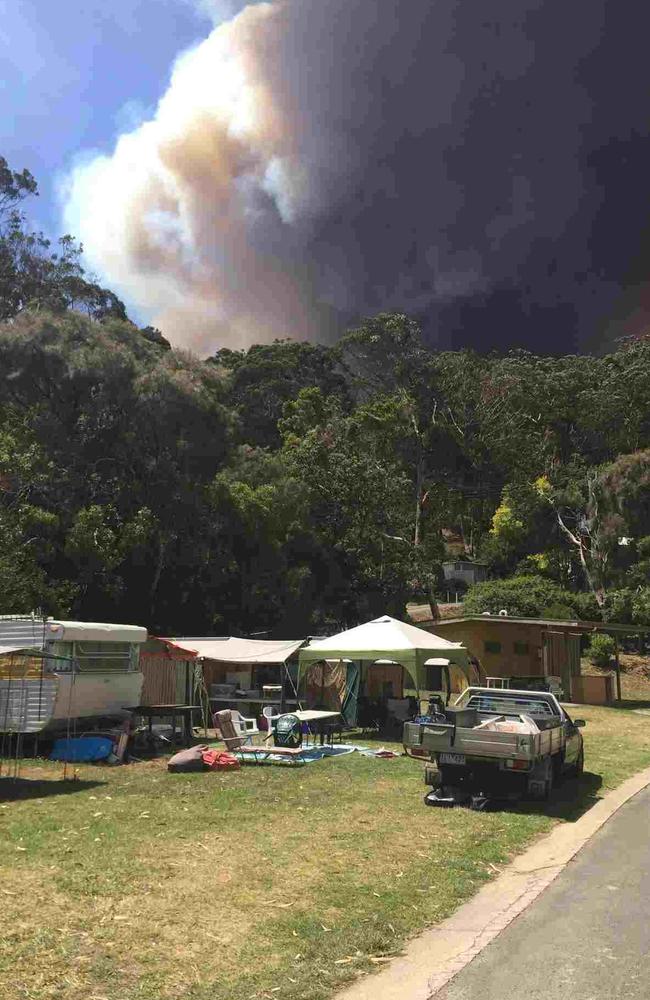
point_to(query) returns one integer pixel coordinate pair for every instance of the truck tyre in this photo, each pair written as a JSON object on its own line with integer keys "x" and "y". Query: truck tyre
{"x": 540, "y": 783}
{"x": 432, "y": 777}
{"x": 548, "y": 788}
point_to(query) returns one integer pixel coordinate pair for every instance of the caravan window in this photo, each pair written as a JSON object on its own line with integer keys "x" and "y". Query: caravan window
{"x": 105, "y": 656}
{"x": 65, "y": 651}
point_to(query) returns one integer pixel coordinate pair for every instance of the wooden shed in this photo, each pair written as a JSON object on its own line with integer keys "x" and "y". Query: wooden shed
{"x": 509, "y": 648}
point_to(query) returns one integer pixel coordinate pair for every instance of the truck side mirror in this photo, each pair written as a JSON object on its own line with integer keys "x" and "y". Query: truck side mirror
{"x": 579, "y": 723}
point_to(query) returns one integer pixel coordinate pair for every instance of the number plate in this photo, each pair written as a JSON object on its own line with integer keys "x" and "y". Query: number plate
{"x": 452, "y": 758}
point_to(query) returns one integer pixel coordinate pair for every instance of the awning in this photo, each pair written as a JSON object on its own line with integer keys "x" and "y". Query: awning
{"x": 231, "y": 649}
{"x": 6, "y": 649}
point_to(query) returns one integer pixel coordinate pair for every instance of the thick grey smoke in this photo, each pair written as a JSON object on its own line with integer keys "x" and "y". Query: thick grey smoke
{"x": 483, "y": 166}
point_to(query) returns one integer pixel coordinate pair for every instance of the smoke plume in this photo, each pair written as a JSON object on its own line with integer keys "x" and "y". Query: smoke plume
{"x": 483, "y": 166}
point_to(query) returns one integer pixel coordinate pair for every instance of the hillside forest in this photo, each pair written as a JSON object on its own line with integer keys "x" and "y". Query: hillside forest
{"x": 293, "y": 488}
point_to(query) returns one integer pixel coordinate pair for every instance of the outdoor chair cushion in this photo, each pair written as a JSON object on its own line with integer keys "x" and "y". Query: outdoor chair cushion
{"x": 219, "y": 760}
{"x": 223, "y": 721}
{"x": 190, "y": 759}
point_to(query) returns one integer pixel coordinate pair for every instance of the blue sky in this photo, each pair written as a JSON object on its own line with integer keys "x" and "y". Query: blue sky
{"x": 74, "y": 74}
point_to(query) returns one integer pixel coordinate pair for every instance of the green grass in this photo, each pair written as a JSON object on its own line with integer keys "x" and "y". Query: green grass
{"x": 134, "y": 884}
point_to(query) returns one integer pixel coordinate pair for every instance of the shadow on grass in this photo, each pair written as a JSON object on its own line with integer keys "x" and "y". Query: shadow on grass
{"x": 569, "y": 800}
{"x": 15, "y": 789}
{"x": 629, "y": 704}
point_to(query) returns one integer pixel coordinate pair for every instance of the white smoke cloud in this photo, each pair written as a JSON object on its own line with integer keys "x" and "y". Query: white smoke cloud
{"x": 186, "y": 217}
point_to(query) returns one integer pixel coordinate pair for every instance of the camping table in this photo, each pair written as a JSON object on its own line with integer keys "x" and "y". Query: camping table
{"x": 315, "y": 715}
{"x": 152, "y": 712}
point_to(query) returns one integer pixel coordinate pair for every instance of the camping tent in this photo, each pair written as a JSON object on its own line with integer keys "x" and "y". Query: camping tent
{"x": 387, "y": 639}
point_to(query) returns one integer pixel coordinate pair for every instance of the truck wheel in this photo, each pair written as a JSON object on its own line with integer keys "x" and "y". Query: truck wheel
{"x": 432, "y": 777}
{"x": 540, "y": 783}
{"x": 548, "y": 788}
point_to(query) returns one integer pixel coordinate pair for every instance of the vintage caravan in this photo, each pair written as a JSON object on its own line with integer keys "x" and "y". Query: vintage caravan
{"x": 54, "y": 673}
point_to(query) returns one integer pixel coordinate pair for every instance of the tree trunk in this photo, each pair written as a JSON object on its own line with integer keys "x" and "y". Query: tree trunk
{"x": 433, "y": 605}
{"x": 160, "y": 561}
{"x": 578, "y": 542}
{"x": 419, "y": 476}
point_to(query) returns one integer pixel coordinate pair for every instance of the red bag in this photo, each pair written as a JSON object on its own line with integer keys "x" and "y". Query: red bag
{"x": 220, "y": 760}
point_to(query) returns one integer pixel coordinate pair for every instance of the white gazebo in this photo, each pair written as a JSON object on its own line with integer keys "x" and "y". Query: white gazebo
{"x": 387, "y": 641}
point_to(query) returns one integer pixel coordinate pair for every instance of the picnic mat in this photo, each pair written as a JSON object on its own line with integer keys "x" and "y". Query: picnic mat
{"x": 344, "y": 748}
{"x": 369, "y": 751}
{"x": 311, "y": 754}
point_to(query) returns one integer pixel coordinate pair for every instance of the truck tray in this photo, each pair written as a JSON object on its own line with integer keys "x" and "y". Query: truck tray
{"x": 484, "y": 743}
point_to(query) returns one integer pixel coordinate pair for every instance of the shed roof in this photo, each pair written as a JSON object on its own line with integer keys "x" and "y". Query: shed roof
{"x": 572, "y": 625}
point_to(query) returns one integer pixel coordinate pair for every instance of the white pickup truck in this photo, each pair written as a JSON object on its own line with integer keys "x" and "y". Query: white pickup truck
{"x": 498, "y": 742}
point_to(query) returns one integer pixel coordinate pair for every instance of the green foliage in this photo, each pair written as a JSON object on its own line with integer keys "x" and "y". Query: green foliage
{"x": 261, "y": 381}
{"x": 601, "y": 650}
{"x": 33, "y": 273}
{"x": 520, "y": 596}
{"x": 618, "y": 606}
{"x": 309, "y": 410}
{"x": 587, "y": 608}
{"x": 641, "y": 606}
{"x": 506, "y": 527}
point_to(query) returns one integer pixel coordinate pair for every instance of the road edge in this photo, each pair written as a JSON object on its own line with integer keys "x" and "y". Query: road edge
{"x": 435, "y": 956}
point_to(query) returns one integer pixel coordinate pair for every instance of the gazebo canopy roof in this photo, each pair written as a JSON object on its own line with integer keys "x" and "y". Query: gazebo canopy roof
{"x": 384, "y": 638}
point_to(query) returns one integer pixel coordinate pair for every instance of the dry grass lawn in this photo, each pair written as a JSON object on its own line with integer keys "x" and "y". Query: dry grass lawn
{"x": 135, "y": 884}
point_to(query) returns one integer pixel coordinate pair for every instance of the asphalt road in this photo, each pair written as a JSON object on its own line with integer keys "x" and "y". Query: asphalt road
{"x": 587, "y": 937}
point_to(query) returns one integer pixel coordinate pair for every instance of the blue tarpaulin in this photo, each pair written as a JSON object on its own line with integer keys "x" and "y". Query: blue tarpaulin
{"x": 82, "y": 749}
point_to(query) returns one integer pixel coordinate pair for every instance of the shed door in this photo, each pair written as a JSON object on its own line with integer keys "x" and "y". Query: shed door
{"x": 561, "y": 658}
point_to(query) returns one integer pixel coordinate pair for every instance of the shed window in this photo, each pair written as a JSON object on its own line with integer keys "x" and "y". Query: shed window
{"x": 491, "y": 646}
{"x": 522, "y": 648}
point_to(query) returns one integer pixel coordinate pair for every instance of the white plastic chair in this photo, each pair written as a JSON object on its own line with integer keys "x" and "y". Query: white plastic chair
{"x": 245, "y": 727}
{"x": 270, "y": 715}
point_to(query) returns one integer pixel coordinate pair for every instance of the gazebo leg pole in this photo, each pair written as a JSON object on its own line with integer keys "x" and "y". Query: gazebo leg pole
{"x": 617, "y": 661}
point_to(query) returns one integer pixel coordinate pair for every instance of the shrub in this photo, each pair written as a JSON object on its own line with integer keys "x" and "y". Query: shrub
{"x": 641, "y": 606}
{"x": 558, "y": 612}
{"x": 587, "y": 607}
{"x": 618, "y": 606}
{"x": 521, "y": 596}
{"x": 601, "y": 649}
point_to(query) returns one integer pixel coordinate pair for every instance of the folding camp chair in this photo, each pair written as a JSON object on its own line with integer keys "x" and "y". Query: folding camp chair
{"x": 233, "y": 728}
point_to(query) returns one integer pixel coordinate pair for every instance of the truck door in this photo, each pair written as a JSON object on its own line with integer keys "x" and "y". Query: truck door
{"x": 572, "y": 737}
